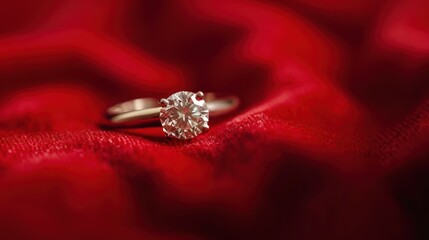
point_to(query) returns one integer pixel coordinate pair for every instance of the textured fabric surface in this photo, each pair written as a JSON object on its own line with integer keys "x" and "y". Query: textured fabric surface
{"x": 331, "y": 140}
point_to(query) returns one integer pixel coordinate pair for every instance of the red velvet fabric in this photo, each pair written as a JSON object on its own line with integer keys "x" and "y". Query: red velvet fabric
{"x": 331, "y": 140}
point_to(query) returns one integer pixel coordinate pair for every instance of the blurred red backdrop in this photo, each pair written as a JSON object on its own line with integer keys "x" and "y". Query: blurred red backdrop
{"x": 331, "y": 140}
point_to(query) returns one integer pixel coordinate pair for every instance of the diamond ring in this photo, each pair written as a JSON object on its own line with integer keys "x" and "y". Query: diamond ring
{"x": 183, "y": 115}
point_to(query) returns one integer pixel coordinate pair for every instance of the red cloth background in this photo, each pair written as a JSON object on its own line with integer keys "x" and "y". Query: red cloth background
{"x": 331, "y": 140}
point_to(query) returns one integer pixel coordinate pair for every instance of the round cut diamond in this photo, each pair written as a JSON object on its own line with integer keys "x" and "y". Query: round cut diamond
{"x": 184, "y": 115}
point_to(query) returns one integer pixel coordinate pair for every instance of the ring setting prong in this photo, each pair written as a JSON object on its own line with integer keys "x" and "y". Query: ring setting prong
{"x": 199, "y": 96}
{"x": 163, "y": 102}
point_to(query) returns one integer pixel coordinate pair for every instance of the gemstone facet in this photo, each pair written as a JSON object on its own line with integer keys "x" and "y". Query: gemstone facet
{"x": 184, "y": 115}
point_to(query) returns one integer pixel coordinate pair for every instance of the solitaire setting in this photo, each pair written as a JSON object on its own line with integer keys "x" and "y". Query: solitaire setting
{"x": 184, "y": 115}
